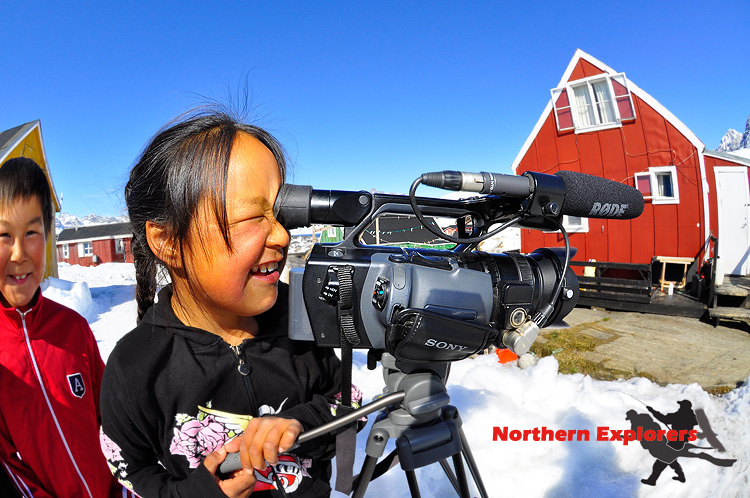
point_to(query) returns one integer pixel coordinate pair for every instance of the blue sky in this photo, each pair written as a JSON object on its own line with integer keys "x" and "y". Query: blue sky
{"x": 363, "y": 95}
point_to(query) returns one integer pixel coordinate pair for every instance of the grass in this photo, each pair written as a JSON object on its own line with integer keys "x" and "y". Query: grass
{"x": 718, "y": 390}
{"x": 568, "y": 344}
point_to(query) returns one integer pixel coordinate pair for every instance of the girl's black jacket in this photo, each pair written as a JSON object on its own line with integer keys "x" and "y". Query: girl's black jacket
{"x": 170, "y": 395}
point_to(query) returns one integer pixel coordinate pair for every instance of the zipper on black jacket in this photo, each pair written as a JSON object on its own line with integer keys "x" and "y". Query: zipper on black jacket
{"x": 244, "y": 370}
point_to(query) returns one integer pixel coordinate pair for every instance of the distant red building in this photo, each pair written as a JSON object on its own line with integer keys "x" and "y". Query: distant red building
{"x": 600, "y": 123}
{"x": 95, "y": 244}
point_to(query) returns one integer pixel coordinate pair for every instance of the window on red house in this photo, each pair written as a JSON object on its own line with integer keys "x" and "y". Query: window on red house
{"x": 659, "y": 184}
{"x": 602, "y": 101}
{"x": 643, "y": 183}
{"x": 563, "y": 113}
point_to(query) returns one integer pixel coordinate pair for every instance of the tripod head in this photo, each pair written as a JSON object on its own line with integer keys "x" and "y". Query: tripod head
{"x": 425, "y": 393}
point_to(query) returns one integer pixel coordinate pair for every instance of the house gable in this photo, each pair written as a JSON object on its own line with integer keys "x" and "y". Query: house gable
{"x": 583, "y": 65}
{"x": 655, "y": 145}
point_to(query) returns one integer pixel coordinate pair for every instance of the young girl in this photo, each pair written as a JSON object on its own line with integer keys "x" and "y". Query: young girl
{"x": 211, "y": 359}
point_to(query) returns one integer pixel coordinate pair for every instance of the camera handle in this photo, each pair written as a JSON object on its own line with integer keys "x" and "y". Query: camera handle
{"x": 232, "y": 461}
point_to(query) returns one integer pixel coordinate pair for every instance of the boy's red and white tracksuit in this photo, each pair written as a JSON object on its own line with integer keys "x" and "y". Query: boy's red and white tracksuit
{"x": 50, "y": 373}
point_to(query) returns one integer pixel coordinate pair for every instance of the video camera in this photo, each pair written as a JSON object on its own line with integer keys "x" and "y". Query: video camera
{"x": 418, "y": 309}
{"x": 427, "y": 305}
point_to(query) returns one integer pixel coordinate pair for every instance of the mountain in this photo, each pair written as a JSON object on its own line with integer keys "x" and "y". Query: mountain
{"x": 734, "y": 141}
{"x": 730, "y": 141}
{"x": 745, "y": 142}
{"x": 65, "y": 220}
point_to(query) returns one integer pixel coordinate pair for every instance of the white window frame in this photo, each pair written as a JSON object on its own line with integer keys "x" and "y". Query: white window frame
{"x": 613, "y": 108}
{"x": 574, "y": 224}
{"x": 88, "y": 249}
{"x": 119, "y": 246}
{"x": 653, "y": 175}
{"x": 66, "y": 251}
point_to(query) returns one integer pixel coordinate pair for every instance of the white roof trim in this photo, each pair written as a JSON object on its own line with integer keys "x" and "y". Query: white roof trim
{"x": 46, "y": 162}
{"x": 728, "y": 156}
{"x": 635, "y": 89}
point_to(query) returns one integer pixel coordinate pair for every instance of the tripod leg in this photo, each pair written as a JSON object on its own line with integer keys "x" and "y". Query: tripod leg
{"x": 411, "y": 478}
{"x": 472, "y": 464}
{"x": 376, "y": 442}
{"x": 458, "y": 464}
{"x": 449, "y": 473}
{"x": 365, "y": 474}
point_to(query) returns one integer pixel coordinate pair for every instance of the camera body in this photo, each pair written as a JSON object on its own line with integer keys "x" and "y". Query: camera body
{"x": 424, "y": 305}
{"x": 427, "y": 305}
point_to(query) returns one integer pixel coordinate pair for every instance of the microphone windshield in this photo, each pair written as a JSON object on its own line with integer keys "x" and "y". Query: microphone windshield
{"x": 589, "y": 196}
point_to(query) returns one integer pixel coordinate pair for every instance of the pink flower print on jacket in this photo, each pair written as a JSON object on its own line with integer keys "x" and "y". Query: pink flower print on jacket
{"x": 356, "y": 404}
{"x": 197, "y": 438}
{"x": 113, "y": 453}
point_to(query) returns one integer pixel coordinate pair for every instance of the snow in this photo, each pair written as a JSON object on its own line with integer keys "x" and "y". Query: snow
{"x": 742, "y": 153}
{"x": 489, "y": 394}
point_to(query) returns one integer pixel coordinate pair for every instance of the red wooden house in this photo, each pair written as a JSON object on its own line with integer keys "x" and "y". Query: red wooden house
{"x": 95, "y": 244}
{"x": 599, "y": 122}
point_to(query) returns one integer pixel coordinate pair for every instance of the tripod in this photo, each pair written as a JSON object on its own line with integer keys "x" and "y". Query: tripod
{"x": 416, "y": 413}
{"x": 426, "y": 428}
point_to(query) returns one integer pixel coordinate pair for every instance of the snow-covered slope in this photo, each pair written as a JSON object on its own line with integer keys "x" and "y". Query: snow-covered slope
{"x": 65, "y": 220}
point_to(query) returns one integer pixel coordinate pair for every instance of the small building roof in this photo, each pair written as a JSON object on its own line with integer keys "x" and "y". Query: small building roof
{"x": 728, "y": 156}
{"x": 9, "y": 138}
{"x": 91, "y": 232}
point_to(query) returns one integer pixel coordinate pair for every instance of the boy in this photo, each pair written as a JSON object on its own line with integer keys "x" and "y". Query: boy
{"x": 50, "y": 367}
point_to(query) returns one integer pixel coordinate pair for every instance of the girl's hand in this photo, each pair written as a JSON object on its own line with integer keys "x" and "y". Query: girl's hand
{"x": 239, "y": 485}
{"x": 264, "y": 438}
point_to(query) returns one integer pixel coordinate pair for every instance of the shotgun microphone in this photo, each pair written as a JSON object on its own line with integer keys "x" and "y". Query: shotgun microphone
{"x": 586, "y": 196}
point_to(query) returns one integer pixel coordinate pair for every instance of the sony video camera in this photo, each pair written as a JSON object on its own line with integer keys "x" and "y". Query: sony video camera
{"x": 429, "y": 305}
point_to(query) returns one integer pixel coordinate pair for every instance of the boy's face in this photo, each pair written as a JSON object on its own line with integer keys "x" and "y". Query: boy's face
{"x": 23, "y": 252}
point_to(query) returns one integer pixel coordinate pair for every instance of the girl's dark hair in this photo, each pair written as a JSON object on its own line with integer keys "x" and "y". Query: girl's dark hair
{"x": 22, "y": 177}
{"x": 184, "y": 163}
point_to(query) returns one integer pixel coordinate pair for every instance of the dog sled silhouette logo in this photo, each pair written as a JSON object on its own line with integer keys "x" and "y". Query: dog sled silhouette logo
{"x": 667, "y": 446}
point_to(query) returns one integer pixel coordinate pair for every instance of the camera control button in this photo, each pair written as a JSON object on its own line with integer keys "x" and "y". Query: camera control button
{"x": 399, "y": 277}
{"x": 380, "y": 293}
{"x": 330, "y": 290}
